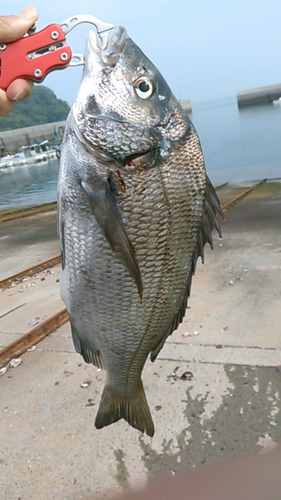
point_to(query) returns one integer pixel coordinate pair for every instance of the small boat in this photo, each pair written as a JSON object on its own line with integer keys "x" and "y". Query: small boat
{"x": 27, "y": 155}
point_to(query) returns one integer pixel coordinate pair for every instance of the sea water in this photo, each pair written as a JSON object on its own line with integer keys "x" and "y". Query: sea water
{"x": 29, "y": 185}
{"x": 239, "y": 145}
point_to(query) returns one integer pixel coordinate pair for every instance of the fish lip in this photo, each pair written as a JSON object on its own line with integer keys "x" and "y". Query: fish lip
{"x": 109, "y": 54}
{"x": 163, "y": 127}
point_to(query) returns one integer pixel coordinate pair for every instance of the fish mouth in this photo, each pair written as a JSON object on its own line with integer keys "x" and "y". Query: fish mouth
{"x": 107, "y": 53}
{"x": 139, "y": 161}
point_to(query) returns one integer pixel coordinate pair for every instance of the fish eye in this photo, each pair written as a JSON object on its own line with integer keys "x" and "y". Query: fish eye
{"x": 144, "y": 87}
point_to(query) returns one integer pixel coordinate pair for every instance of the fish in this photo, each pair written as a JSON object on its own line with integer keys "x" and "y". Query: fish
{"x": 135, "y": 209}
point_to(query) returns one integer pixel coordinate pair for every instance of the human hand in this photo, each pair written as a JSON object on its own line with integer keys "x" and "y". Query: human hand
{"x": 12, "y": 28}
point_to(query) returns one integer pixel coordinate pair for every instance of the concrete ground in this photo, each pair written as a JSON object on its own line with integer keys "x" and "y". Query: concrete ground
{"x": 27, "y": 242}
{"x": 214, "y": 390}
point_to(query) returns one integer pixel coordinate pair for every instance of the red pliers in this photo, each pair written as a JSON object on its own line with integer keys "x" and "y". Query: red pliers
{"x": 35, "y": 55}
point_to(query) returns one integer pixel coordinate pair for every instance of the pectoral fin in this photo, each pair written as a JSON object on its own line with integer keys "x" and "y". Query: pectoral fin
{"x": 104, "y": 208}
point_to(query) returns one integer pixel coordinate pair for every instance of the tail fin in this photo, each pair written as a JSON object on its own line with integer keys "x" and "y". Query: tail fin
{"x": 135, "y": 411}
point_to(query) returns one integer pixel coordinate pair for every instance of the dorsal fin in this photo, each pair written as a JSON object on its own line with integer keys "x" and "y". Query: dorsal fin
{"x": 209, "y": 221}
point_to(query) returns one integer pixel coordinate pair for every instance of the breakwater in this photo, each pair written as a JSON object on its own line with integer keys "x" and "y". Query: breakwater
{"x": 12, "y": 140}
{"x": 260, "y": 95}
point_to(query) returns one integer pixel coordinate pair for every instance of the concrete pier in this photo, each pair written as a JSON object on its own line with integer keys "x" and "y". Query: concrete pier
{"x": 260, "y": 95}
{"x": 214, "y": 390}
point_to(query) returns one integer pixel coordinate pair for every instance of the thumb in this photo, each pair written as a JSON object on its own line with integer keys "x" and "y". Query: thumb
{"x": 14, "y": 27}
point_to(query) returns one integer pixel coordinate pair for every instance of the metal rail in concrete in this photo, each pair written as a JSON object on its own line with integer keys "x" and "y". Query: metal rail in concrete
{"x": 30, "y": 271}
{"x": 19, "y": 346}
{"x": 9, "y": 215}
{"x": 241, "y": 196}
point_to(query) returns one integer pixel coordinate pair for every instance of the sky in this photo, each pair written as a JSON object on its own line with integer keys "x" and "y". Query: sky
{"x": 205, "y": 49}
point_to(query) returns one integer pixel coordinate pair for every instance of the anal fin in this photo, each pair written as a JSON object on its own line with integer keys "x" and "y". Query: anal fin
{"x": 92, "y": 357}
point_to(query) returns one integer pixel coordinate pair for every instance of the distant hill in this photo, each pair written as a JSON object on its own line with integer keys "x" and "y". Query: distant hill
{"x": 41, "y": 107}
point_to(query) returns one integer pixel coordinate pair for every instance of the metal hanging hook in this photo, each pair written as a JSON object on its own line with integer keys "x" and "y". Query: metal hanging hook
{"x": 73, "y": 21}
{"x": 101, "y": 27}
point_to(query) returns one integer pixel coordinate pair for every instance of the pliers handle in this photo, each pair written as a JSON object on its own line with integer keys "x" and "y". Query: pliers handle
{"x": 34, "y": 56}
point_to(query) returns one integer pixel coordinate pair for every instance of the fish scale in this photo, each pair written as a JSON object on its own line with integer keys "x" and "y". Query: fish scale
{"x": 135, "y": 210}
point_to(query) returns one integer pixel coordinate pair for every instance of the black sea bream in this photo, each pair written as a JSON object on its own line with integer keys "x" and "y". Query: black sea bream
{"x": 135, "y": 210}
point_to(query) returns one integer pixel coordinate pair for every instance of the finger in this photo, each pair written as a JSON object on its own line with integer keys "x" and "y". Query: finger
{"x": 19, "y": 90}
{"x": 14, "y": 27}
{"x": 6, "y": 105}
